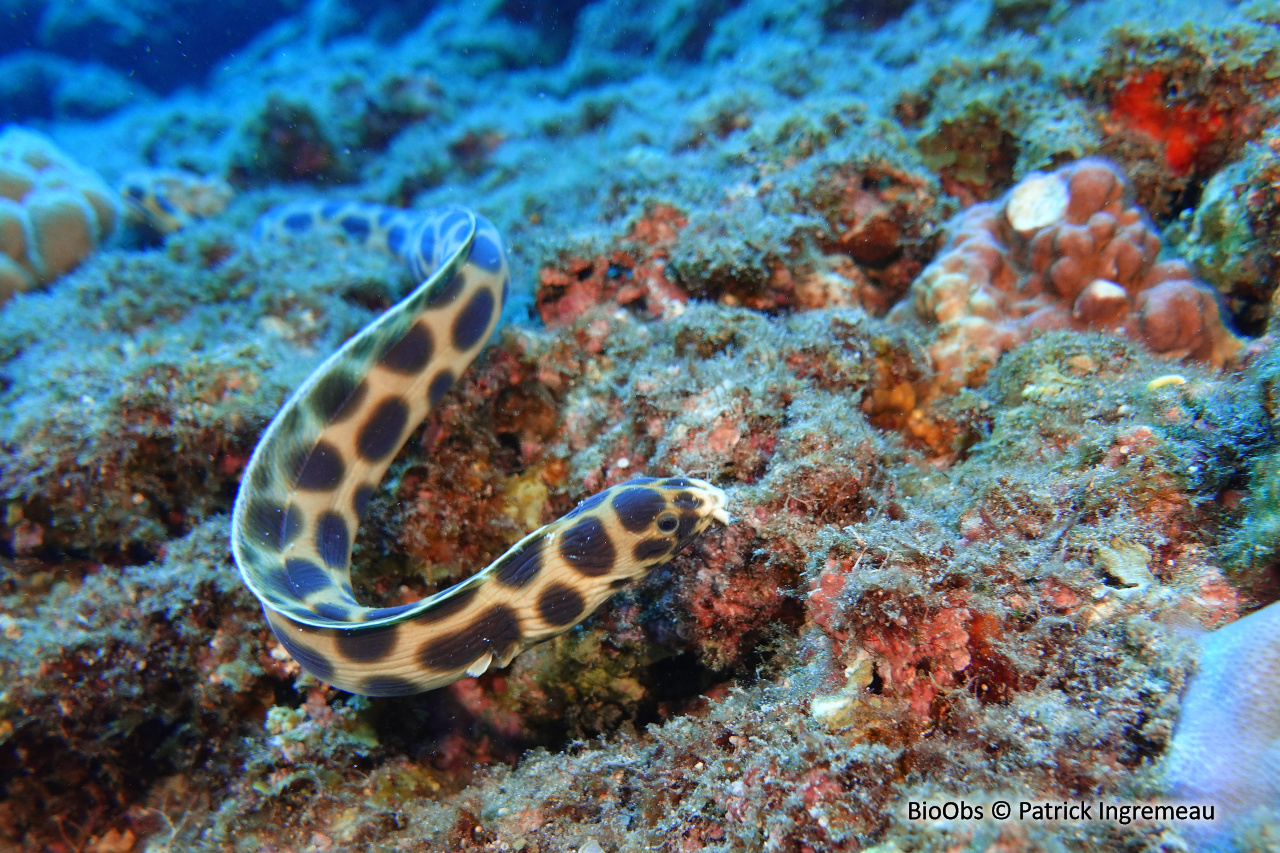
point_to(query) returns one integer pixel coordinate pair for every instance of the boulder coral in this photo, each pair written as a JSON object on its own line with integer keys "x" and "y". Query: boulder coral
{"x": 53, "y": 211}
{"x": 1063, "y": 250}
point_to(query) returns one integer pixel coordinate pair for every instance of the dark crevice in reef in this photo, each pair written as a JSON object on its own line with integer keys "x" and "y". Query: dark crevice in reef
{"x": 675, "y": 685}
{"x": 442, "y": 729}
{"x": 555, "y": 23}
{"x": 42, "y": 780}
{"x": 1187, "y": 198}
{"x": 865, "y": 16}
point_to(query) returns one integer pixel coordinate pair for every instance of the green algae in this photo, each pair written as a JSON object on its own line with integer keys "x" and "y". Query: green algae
{"x": 1217, "y": 235}
{"x": 1252, "y": 548}
{"x": 1229, "y": 237}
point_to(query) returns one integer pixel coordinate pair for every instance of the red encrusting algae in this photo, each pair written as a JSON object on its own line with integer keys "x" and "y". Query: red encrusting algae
{"x": 1184, "y": 129}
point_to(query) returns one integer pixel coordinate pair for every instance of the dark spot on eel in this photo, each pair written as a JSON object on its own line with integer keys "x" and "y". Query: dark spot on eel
{"x": 472, "y": 321}
{"x": 313, "y": 662}
{"x": 445, "y": 292}
{"x": 336, "y": 396}
{"x": 442, "y": 383}
{"x": 319, "y": 469}
{"x": 647, "y": 549}
{"x": 306, "y": 577}
{"x": 269, "y": 525}
{"x": 516, "y": 570}
{"x": 586, "y": 547}
{"x": 450, "y": 605}
{"x": 360, "y": 500}
{"x": 560, "y": 605}
{"x": 411, "y": 353}
{"x": 637, "y": 508}
{"x": 387, "y": 685}
{"x": 379, "y": 436}
{"x": 496, "y": 630}
{"x": 333, "y": 540}
{"x": 365, "y": 645}
{"x": 336, "y": 612}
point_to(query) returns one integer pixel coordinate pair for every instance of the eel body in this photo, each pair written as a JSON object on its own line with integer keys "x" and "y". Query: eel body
{"x": 313, "y": 471}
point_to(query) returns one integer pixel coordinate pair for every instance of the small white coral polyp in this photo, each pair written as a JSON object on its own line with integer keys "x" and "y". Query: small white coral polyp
{"x": 1064, "y": 250}
{"x": 53, "y": 211}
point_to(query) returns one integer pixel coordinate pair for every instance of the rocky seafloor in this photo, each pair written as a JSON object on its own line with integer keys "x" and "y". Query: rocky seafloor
{"x": 968, "y": 307}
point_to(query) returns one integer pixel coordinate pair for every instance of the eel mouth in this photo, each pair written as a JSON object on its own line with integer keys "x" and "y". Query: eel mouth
{"x": 721, "y": 514}
{"x": 719, "y": 501}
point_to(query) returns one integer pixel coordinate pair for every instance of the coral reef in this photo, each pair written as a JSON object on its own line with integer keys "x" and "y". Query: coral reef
{"x": 877, "y": 230}
{"x": 288, "y": 144}
{"x": 53, "y": 211}
{"x": 1060, "y": 250}
{"x": 35, "y": 85}
{"x": 633, "y": 276}
{"x": 168, "y": 393}
{"x": 972, "y": 144}
{"x": 993, "y": 492}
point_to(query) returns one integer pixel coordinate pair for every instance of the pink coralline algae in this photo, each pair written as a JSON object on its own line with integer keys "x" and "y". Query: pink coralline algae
{"x": 924, "y": 658}
{"x": 1063, "y": 250}
{"x": 633, "y": 276}
{"x": 917, "y": 652}
{"x": 726, "y": 604}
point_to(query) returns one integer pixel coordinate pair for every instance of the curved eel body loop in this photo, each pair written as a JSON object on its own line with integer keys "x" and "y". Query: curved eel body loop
{"x": 311, "y": 476}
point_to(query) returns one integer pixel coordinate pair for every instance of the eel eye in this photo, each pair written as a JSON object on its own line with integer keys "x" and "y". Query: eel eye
{"x": 668, "y": 523}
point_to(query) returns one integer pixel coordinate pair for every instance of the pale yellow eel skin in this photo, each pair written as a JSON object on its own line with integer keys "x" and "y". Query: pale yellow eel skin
{"x": 310, "y": 478}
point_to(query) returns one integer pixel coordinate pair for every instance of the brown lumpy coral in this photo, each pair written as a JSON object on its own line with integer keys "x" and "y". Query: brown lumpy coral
{"x": 1063, "y": 250}
{"x": 53, "y": 212}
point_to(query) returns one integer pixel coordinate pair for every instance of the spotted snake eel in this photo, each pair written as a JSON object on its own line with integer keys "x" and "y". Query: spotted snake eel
{"x": 311, "y": 476}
